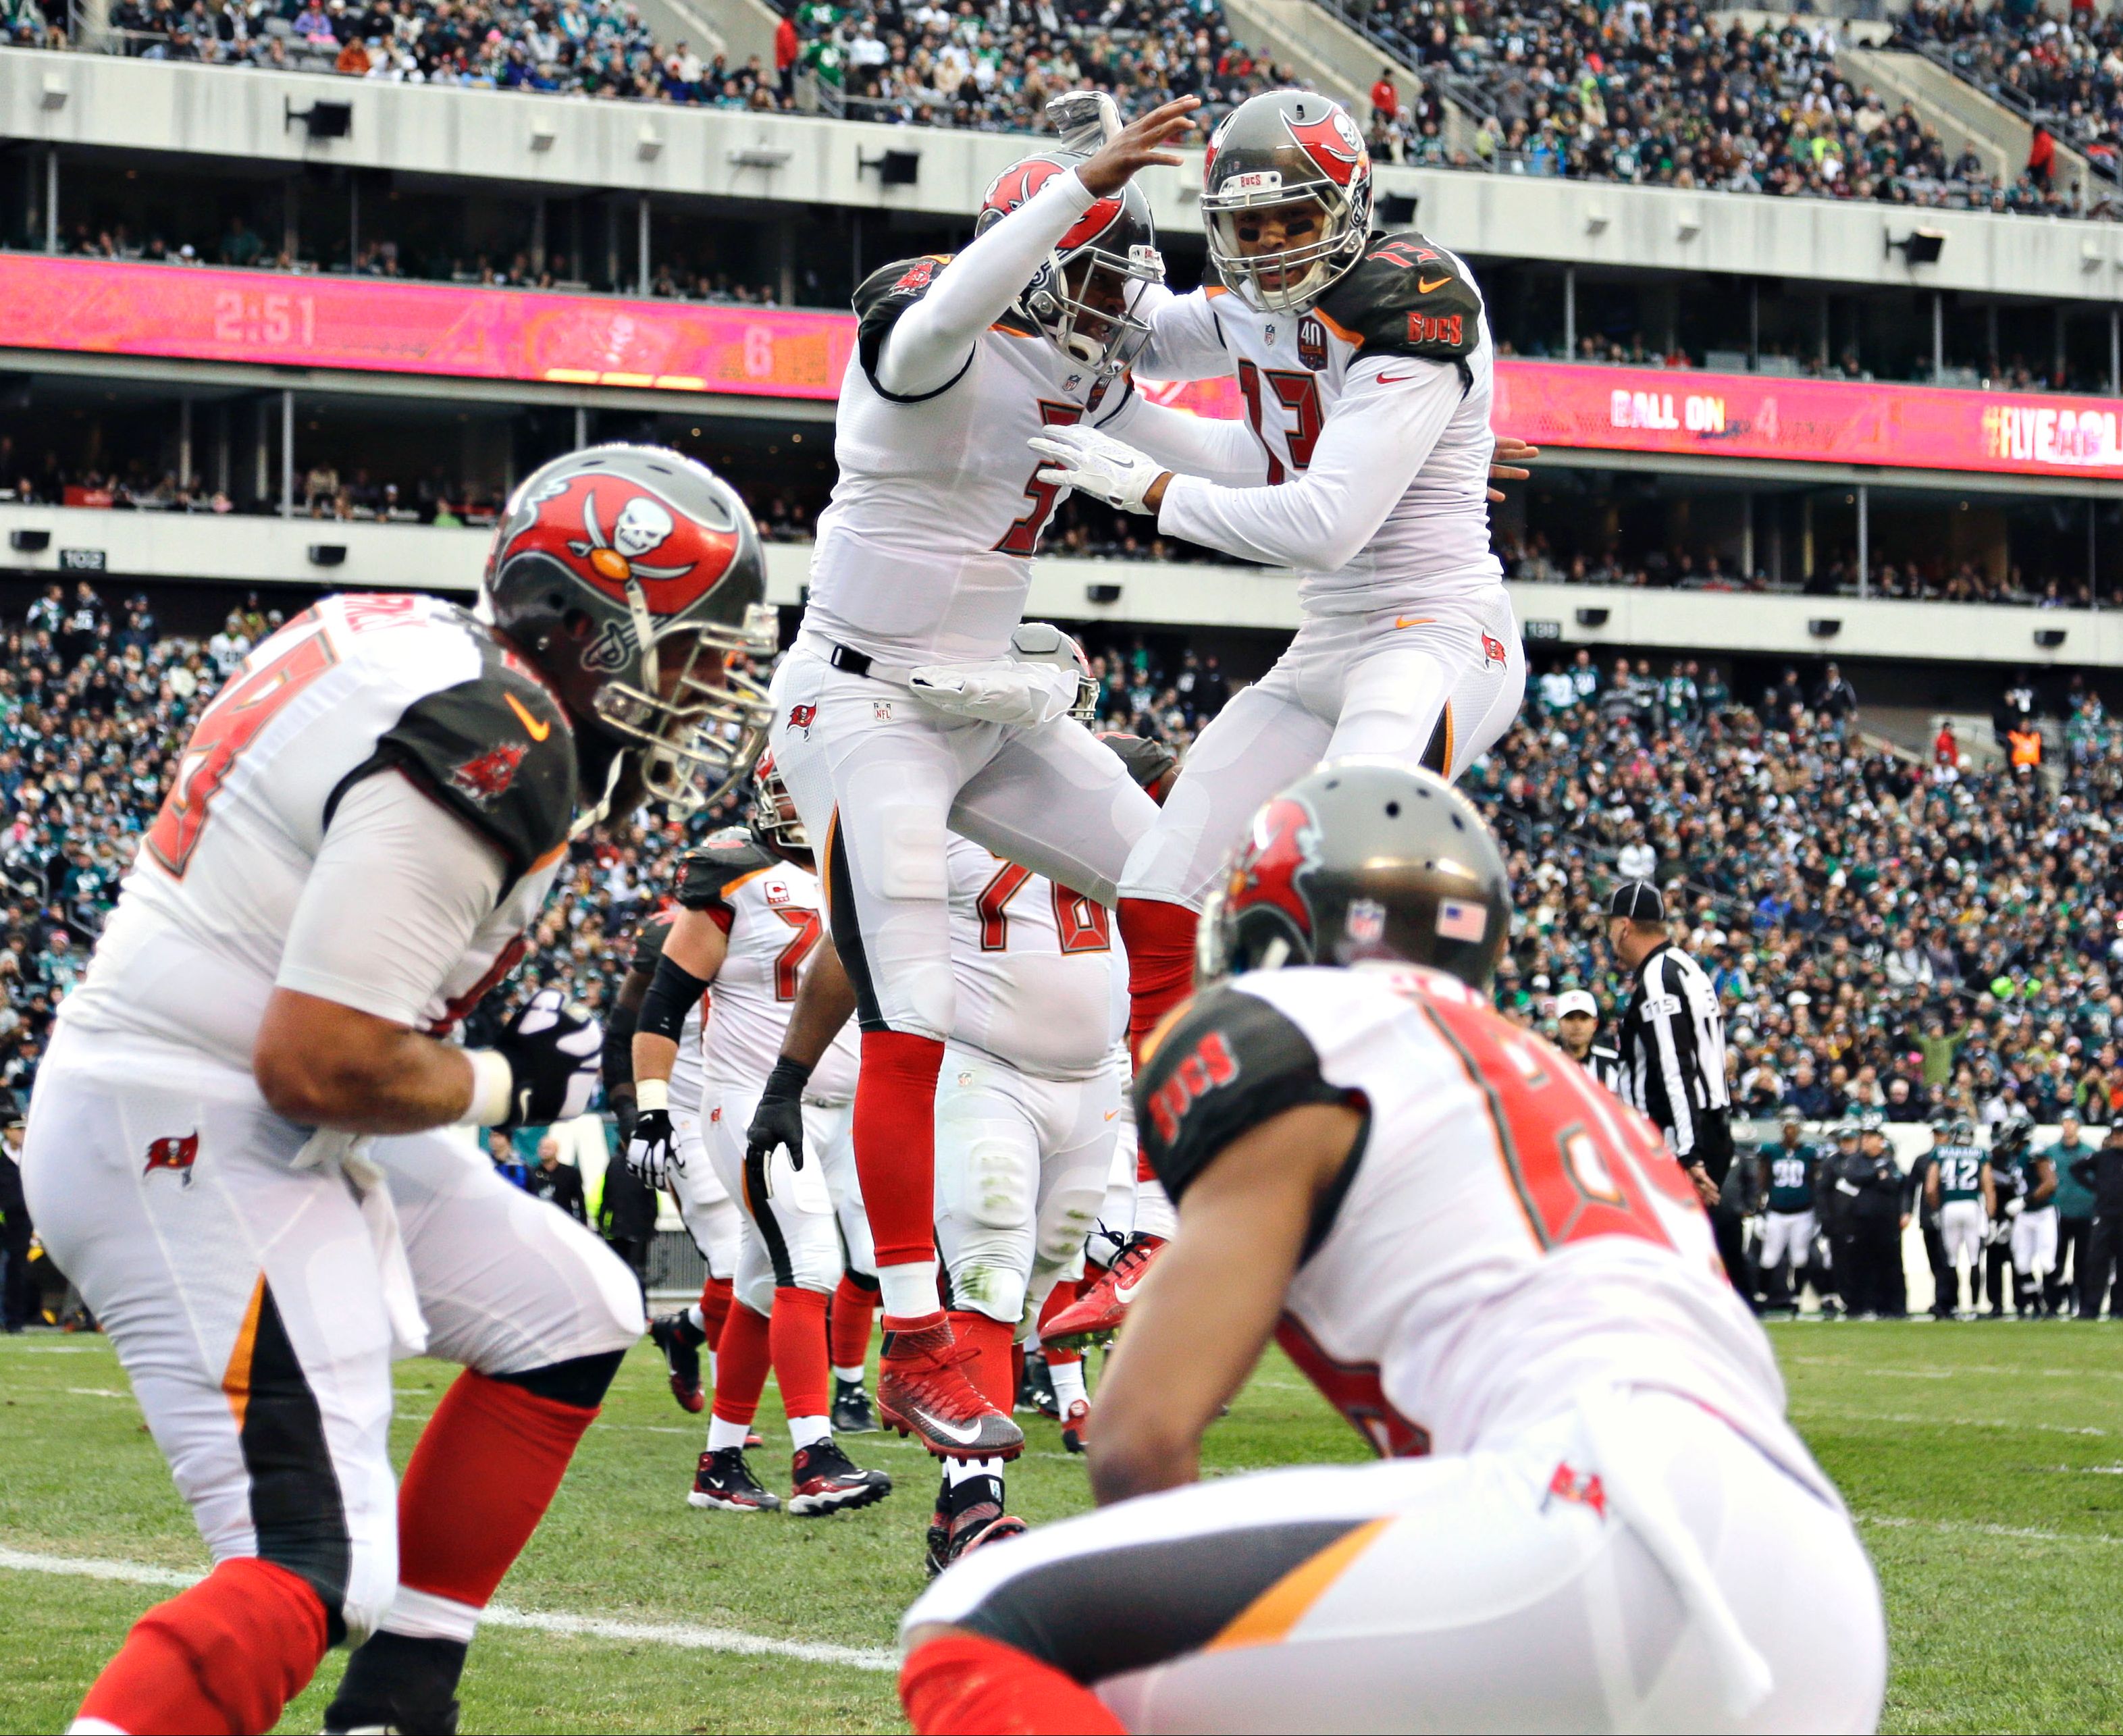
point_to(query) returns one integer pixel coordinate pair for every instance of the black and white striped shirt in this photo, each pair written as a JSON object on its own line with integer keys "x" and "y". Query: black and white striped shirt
{"x": 1672, "y": 1043}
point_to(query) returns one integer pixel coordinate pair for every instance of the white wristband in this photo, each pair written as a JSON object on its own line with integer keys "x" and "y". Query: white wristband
{"x": 493, "y": 1088}
{"x": 652, "y": 1094}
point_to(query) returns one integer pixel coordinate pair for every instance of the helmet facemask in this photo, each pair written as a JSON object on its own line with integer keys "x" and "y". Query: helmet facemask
{"x": 1086, "y": 303}
{"x": 695, "y": 725}
{"x": 1289, "y": 278}
{"x": 774, "y": 816}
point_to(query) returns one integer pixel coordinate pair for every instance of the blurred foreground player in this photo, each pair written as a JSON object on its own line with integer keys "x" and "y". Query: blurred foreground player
{"x": 237, "y": 1146}
{"x": 1596, "y": 1516}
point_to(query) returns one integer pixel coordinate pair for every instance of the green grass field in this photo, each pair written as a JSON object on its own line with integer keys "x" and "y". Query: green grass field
{"x": 1986, "y": 1461}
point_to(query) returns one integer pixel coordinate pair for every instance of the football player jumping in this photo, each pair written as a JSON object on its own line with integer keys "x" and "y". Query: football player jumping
{"x": 1594, "y": 1515}
{"x": 237, "y": 1147}
{"x": 909, "y": 708}
{"x": 749, "y": 921}
{"x": 1365, "y": 362}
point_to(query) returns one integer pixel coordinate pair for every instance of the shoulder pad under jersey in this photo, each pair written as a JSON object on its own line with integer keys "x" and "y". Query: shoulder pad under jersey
{"x": 496, "y": 750}
{"x": 710, "y": 874}
{"x": 648, "y": 940}
{"x": 879, "y": 300}
{"x": 1405, "y": 297}
{"x": 1228, "y": 1063}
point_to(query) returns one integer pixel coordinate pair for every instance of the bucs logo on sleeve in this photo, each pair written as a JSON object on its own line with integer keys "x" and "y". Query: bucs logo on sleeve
{"x": 486, "y": 777}
{"x": 1269, "y": 874}
{"x": 1333, "y": 143}
{"x": 617, "y": 534}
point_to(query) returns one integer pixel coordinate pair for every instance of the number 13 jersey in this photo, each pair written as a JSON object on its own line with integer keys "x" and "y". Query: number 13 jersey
{"x": 358, "y": 686}
{"x": 1504, "y": 1233}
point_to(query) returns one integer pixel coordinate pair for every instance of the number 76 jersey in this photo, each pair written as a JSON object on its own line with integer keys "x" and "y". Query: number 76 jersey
{"x": 1505, "y": 1231}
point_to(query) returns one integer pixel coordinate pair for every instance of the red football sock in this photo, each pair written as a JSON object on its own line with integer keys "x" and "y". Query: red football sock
{"x": 1063, "y": 1295}
{"x": 962, "y": 1684}
{"x": 848, "y": 1326}
{"x": 225, "y": 1657}
{"x": 741, "y": 1359}
{"x": 895, "y": 1138}
{"x": 1159, "y": 937}
{"x": 715, "y": 1309}
{"x": 798, "y": 1338}
{"x": 989, "y": 1371}
{"x": 1144, "y": 1172}
{"x": 481, "y": 1476}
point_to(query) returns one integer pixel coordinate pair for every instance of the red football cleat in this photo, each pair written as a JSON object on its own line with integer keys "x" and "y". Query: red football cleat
{"x": 1098, "y": 1311}
{"x": 922, "y": 1391}
{"x": 1076, "y": 1426}
{"x": 680, "y": 1341}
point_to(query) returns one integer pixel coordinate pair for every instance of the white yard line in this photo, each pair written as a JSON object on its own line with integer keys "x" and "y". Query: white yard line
{"x": 1971, "y": 1528}
{"x": 501, "y": 1615}
{"x": 2019, "y": 1373}
{"x": 1852, "y": 1414}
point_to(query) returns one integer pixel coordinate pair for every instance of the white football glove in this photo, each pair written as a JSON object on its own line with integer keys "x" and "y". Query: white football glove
{"x": 1107, "y": 469}
{"x": 2014, "y": 1208}
{"x": 553, "y": 1046}
{"x": 997, "y": 693}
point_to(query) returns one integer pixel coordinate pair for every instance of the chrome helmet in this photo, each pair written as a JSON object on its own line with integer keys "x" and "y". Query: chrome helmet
{"x": 774, "y": 816}
{"x": 1043, "y": 642}
{"x": 1285, "y": 148}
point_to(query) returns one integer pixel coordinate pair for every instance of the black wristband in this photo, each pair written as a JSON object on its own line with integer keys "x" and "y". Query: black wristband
{"x": 787, "y": 1080}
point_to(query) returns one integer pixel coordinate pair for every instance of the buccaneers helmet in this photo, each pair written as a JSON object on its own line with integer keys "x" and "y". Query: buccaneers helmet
{"x": 1086, "y": 298}
{"x": 626, "y": 575}
{"x": 1043, "y": 642}
{"x": 1364, "y": 859}
{"x": 1285, "y": 148}
{"x": 774, "y": 816}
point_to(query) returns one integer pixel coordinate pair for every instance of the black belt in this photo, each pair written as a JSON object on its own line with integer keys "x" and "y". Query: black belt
{"x": 855, "y": 663}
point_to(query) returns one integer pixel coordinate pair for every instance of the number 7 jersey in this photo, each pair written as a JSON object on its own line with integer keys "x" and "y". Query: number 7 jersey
{"x": 1505, "y": 1232}
{"x": 358, "y": 686}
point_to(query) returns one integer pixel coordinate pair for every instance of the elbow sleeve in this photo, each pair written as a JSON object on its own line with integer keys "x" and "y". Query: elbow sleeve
{"x": 673, "y": 992}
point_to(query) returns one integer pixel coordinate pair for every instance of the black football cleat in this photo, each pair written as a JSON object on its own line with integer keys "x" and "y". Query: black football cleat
{"x": 725, "y": 1482}
{"x": 680, "y": 1341}
{"x": 823, "y": 1480}
{"x": 852, "y": 1413}
{"x": 1035, "y": 1388}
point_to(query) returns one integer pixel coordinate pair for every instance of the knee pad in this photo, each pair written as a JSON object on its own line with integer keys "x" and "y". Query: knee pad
{"x": 755, "y": 1290}
{"x": 989, "y": 1277}
{"x": 994, "y": 1177}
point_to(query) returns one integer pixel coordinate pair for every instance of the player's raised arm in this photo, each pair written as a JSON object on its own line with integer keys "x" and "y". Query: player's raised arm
{"x": 919, "y": 334}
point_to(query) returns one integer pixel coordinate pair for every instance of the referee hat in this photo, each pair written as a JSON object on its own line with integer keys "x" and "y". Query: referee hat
{"x": 1638, "y": 900}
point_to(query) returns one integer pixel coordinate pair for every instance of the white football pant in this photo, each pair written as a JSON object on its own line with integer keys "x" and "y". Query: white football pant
{"x": 792, "y": 1231}
{"x": 1785, "y": 1236}
{"x": 1961, "y": 1226}
{"x": 880, "y": 778}
{"x": 710, "y": 1216}
{"x": 1021, "y": 1166}
{"x": 1632, "y": 1564}
{"x": 1388, "y": 684}
{"x": 2034, "y": 1238}
{"x": 250, "y": 1301}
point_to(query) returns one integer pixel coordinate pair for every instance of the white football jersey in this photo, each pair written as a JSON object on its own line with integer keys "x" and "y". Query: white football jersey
{"x": 924, "y": 553}
{"x": 1505, "y": 1234}
{"x": 1397, "y": 350}
{"x": 771, "y": 913}
{"x": 191, "y": 953}
{"x": 1042, "y": 984}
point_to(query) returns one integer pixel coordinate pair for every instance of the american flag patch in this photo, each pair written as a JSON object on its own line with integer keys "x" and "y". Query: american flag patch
{"x": 1459, "y": 920}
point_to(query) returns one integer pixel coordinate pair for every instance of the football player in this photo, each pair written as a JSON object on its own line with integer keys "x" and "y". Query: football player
{"x": 1026, "y": 1111}
{"x": 1787, "y": 1173}
{"x": 239, "y": 1146}
{"x": 749, "y": 920}
{"x": 912, "y": 706}
{"x": 1960, "y": 1188}
{"x": 2031, "y": 1236}
{"x": 1594, "y": 1515}
{"x": 708, "y": 1213}
{"x": 1365, "y": 366}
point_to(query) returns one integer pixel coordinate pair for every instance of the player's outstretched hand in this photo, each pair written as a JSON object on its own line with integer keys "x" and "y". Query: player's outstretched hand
{"x": 778, "y": 1120}
{"x": 1135, "y": 147}
{"x": 652, "y": 1151}
{"x": 1103, "y": 467}
{"x": 1506, "y": 462}
{"x": 552, "y": 1046}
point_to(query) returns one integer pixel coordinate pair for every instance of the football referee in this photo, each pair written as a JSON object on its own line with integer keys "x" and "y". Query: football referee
{"x": 1672, "y": 1039}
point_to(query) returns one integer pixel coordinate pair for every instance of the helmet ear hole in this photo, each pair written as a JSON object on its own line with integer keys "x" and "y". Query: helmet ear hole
{"x": 1393, "y": 810}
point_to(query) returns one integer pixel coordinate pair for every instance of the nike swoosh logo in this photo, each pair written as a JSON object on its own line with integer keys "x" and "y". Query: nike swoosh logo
{"x": 1394, "y": 379}
{"x": 1111, "y": 1113}
{"x": 1411, "y": 621}
{"x": 1125, "y": 1292}
{"x": 1423, "y": 286}
{"x": 964, "y": 1434}
{"x": 535, "y": 730}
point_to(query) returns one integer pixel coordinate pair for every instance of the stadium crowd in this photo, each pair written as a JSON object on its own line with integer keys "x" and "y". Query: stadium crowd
{"x": 1918, "y": 940}
{"x": 2063, "y": 66}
